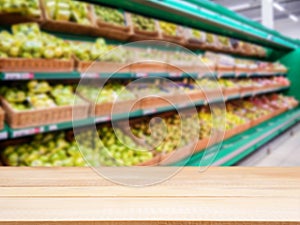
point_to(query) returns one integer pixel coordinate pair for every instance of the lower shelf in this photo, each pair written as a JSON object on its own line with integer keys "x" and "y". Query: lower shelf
{"x": 238, "y": 147}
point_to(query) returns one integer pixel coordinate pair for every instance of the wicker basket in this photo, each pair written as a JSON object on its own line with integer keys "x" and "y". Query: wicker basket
{"x": 70, "y": 27}
{"x": 109, "y": 108}
{"x": 15, "y": 18}
{"x": 178, "y": 38}
{"x": 148, "y": 67}
{"x": 2, "y": 116}
{"x": 110, "y": 30}
{"x": 138, "y": 35}
{"x": 231, "y": 91}
{"x": 101, "y": 67}
{"x": 154, "y": 102}
{"x": 225, "y": 69}
{"x": 246, "y": 89}
{"x": 38, "y": 117}
{"x": 35, "y": 65}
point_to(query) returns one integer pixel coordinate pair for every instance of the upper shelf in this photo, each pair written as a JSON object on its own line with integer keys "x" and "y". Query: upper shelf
{"x": 206, "y": 16}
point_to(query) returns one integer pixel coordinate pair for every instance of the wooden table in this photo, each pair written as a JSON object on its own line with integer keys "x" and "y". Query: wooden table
{"x": 216, "y": 196}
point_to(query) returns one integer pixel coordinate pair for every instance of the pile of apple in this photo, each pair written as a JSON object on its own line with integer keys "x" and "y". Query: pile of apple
{"x": 25, "y": 7}
{"x": 168, "y": 28}
{"x": 37, "y": 95}
{"x": 110, "y": 15}
{"x": 98, "y": 51}
{"x": 27, "y": 41}
{"x": 44, "y": 150}
{"x": 68, "y": 10}
{"x": 111, "y": 92}
{"x": 107, "y": 148}
{"x": 143, "y": 23}
{"x": 168, "y": 134}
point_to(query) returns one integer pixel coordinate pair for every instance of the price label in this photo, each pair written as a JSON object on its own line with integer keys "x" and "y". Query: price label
{"x": 29, "y": 131}
{"x": 102, "y": 119}
{"x": 53, "y": 127}
{"x": 141, "y": 75}
{"x": 149, "y": 111}
{"x": 89, "y": 75}
{"x": 175, "y": 74}
{"x": 182, "y": 105}
{"x": 3, "y": 135}
{"x": 18, "y": 76}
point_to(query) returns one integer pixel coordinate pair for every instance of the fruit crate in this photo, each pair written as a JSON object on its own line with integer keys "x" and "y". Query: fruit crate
{"x": 138, "y": 34}
{"x": 193, "y": 42}
{"x": 2, "y": 117}
{"x": 15, "y": 18}
{"x": 100, "y": 67}
{"x": 110, "y": 30}
{"x": 232, "y": 91}
{"x": 246, "y": 89}
{"x": 123, "y": 125}
{"x": 39, "y": 117}
{"x": 177, "y": 38}
{"x": 63, "y": 26}
{"x": 109, "y": 108}
{"x": 261, "y": 119}
{"x": 148, "y": 67}
{"x": 36, "y": 65}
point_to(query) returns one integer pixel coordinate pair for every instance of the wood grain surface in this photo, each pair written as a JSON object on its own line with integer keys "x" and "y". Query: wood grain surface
{"x": 218, "y": 195}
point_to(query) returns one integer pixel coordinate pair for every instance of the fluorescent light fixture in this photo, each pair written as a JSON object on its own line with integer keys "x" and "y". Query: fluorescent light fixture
{"x": 278, "y": 7}
{"x": 239, "y": 7}
{"x": 293, "y": 17}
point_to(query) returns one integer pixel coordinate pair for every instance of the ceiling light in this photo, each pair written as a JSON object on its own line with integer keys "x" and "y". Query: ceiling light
{"x": 278, "y": 6}
{"x": 239, "y": 7}
{"x": 293, "y": 17}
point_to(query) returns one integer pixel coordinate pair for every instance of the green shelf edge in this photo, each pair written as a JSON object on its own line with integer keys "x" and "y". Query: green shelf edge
{"x": 231, "y": 145}
{"x": 11, "y": 76}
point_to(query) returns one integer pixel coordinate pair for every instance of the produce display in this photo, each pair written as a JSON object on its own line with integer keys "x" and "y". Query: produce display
{"x": 109, "y": 93}
{"x": 168, "y": 28}
{"x": 56, "y": 150}
{"x": 68, "y": 10}
{"x": 109, "y": 15}
{"x": 37, "y": 95}
{"x": 88, "y": 51}
{"x": 25, "y": 7}
{"x": 143, "y": 23}
{"x": 224, "y": 41}
{"x": 44, "y": 150}
{"x": 171, "y": 133}
{"x": 27, "y": 41}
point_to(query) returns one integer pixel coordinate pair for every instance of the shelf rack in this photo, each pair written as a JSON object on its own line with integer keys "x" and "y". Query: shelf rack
{"x": 203, "y": 15}
{"x": 8, "y": 133}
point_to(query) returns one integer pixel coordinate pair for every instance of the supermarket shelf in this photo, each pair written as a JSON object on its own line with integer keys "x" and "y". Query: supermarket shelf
{"x": 239, "y": 146}
{"x": 200, "y": 15}
{"x": 76, "y": 75}
{"x": 16, "y": 133}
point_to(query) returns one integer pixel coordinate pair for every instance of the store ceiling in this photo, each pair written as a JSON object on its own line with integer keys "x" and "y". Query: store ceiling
{"x": 282, "y": 21}
{"x": 252, "y": 8}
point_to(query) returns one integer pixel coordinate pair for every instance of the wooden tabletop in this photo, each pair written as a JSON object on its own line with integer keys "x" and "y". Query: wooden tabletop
{"x": 227, "y": 195}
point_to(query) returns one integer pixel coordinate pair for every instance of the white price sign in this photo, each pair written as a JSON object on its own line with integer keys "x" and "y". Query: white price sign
{"x": 102, "y": 119}
{"x": 89, "y": 75}
{"x": 29, "y": 131}
{"x": 53, "y": 127}
{"x": 141, "y": 75}
{"x": 3, "y": 135}
{"x": 149, "y": 111}
{"x": 18, "y": 76}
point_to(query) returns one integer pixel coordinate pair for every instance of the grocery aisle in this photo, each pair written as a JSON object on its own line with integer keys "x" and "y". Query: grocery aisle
{"x": 283, "y": 151}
